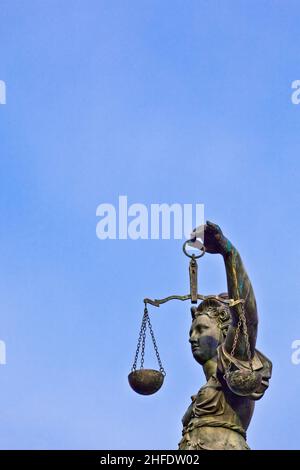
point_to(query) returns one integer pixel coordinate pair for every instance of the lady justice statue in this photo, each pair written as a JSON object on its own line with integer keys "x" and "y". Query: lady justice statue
{"x": 223, "y": 339}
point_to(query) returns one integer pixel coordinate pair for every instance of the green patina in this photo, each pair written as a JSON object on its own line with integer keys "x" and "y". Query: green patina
{"x": 228, "y": 246}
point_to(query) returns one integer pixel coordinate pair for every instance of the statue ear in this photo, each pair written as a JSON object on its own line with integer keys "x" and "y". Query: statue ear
{"x": 193, "y": 312}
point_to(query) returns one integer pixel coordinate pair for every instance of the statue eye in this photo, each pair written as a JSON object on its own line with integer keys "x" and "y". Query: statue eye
{"x": 223, "y": 315}
{"x": 202, "y": 328}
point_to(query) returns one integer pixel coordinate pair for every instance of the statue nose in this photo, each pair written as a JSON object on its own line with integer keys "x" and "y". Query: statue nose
{"x": 193, "y": 335}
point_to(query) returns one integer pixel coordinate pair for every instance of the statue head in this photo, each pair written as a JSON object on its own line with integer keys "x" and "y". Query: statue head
{"x": 210, "y": 323}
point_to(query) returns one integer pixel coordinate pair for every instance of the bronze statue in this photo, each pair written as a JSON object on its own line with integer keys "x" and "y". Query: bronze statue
{"x": 218, "y": 418}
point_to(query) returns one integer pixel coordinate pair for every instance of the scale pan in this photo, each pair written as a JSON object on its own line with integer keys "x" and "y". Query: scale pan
{"x": 243, "y": 382}
{"x": 145, "y": 381}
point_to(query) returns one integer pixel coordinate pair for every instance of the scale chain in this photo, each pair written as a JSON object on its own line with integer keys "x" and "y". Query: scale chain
{"x": 162, "y": 370}
{"x": 241, "y": 323}
{"x": 139, "y": 342}
{"x": 142, "y": 343}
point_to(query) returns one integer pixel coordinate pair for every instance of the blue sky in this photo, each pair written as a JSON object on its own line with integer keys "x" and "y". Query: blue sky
{"x": 174, "y": 101}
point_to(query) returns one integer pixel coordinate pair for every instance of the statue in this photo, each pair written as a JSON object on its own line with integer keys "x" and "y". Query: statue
{"x": 223, "y": 339}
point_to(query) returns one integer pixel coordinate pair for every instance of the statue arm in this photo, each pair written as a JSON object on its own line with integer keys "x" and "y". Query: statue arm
{"x": 240, "y": 287}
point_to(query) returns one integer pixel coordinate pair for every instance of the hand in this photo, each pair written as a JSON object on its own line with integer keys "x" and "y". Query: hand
{"x": 214, "y": 240}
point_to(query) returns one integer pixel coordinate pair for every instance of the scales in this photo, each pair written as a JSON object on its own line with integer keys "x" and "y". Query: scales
{"x": 149, "y": 381}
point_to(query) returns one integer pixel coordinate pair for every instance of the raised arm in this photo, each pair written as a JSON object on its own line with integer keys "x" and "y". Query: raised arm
{"x": 239, "y": 287}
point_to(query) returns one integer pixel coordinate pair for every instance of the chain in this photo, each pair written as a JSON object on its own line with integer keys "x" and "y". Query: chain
{"x": 241, "y": 323}
{"x": 235, "y": 340}
{"x": 141, "y": 335}
{"x": 144, "y": 337}
{"x": 142, "y": 343}
{"x": 245, "y": 329}
{"x": 162, "y": 370}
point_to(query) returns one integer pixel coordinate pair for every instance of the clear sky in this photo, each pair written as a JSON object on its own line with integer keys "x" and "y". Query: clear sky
{"x": 163, "y": 101}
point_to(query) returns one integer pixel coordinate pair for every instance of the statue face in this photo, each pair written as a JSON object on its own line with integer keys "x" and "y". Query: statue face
{"x": 204, "y": 338}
